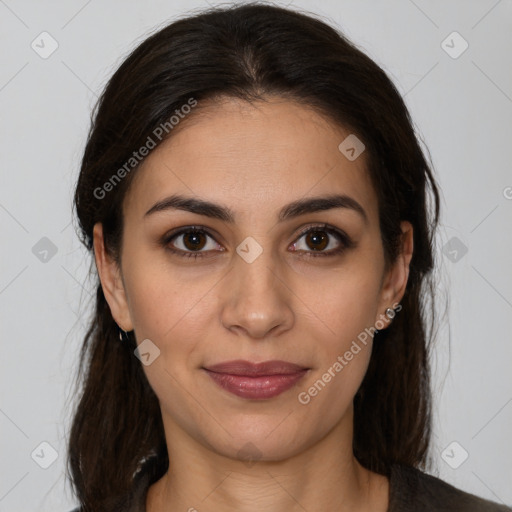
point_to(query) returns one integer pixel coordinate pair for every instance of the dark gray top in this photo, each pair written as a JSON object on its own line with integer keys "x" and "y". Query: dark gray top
{"x": 410, "y": 490}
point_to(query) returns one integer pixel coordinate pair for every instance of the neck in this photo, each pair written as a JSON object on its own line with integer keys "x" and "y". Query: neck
{"x": 325, "y": 476}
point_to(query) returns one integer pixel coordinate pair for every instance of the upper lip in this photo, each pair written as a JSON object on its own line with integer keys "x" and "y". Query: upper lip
{"x": 240, "y": 367}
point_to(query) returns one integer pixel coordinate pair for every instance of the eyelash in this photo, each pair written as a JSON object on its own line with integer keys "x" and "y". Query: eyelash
{"x": 344, "y": 239}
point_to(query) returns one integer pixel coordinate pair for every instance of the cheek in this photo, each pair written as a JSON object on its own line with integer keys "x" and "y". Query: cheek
{"x": 342, "y": 327}
{"x": 170, "y": 309}
{"x": 175, "y": 306}
{"x": 339, "y": 306}
{"x": 343, "y": 353}
{"x": 165, "y": 298}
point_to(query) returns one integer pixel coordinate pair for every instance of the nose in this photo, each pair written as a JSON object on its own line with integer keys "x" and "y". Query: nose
{"x": 256, "y": 299}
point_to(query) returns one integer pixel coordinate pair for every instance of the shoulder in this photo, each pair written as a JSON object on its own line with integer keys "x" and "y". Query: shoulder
{"x": 410, "y": 486}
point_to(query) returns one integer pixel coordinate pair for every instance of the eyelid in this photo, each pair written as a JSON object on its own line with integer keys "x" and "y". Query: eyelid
{"x": 188, "y": 229}
{"x": 344, "y": 239}
{"x": 338, "y": 233}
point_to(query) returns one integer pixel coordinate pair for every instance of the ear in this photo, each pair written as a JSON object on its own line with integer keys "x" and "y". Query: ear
{"x": 111, "y": 281}
{"x": 395, "y": 281}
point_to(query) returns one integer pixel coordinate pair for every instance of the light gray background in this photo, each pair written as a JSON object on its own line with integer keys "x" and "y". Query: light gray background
{"x": 463, "y": 110}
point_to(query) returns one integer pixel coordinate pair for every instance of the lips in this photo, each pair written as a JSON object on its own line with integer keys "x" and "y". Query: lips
{"x": 240, "y": 367}
{"x": 256, "y": 380}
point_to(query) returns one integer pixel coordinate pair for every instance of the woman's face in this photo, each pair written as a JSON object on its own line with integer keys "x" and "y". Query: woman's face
{"x": 259, "y": 290}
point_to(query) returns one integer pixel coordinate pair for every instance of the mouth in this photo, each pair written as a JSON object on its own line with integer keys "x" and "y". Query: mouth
{"x": 256, "y": 380}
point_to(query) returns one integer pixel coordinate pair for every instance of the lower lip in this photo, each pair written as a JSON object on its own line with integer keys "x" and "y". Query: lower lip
{"x": 266, "y": 386}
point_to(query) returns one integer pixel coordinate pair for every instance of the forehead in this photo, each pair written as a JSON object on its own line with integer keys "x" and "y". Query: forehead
{"x": 254, "y": 157}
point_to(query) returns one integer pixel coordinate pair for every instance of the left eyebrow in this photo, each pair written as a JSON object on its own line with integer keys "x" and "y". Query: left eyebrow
{"x": 289, "y": 211}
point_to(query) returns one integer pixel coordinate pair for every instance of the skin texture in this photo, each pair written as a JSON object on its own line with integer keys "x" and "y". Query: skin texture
{"x": 255, "y": 158}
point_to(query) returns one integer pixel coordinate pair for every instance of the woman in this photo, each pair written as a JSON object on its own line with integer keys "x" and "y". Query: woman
{"x": 256, "y": 202}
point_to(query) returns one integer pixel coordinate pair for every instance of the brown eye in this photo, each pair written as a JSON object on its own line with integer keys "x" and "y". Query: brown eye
{"x": 194, "y": 240}
{"x": 189, "y": 243}
{"x": 317, "y": 240}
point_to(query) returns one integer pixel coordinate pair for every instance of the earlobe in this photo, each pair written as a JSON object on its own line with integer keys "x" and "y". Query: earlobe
{"x": 111, "y": 282}
{"x": 394, "y": 286}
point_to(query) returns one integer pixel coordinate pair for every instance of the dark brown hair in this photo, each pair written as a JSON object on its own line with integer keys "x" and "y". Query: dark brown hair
{"x": 252, "y": 52}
